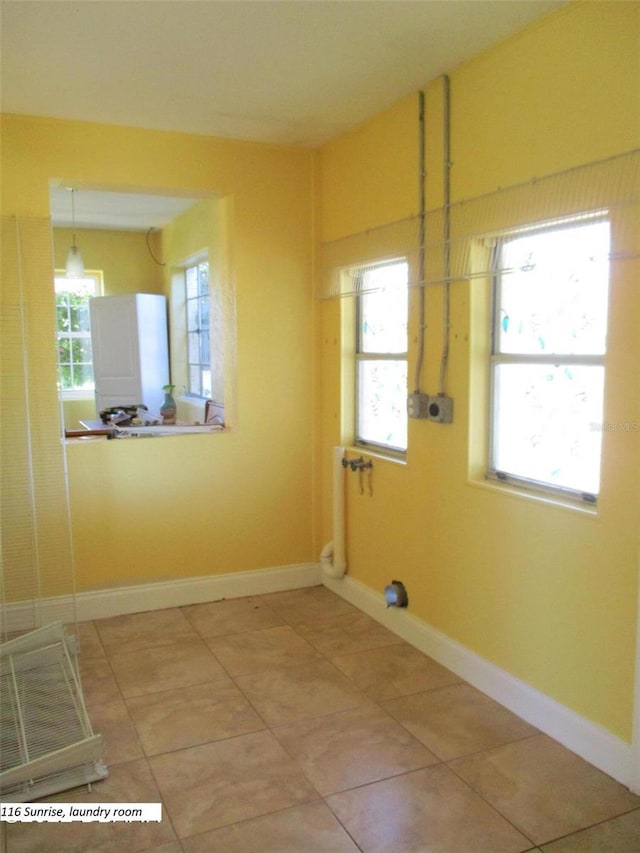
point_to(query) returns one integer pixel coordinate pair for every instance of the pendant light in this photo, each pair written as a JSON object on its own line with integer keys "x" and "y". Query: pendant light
{"x": 74, "y": 268}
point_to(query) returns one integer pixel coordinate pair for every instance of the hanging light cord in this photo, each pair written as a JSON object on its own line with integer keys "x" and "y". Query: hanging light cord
{"x": 160, "y": 263}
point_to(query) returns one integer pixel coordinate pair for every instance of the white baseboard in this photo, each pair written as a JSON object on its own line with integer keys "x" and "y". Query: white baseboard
{"x": 22, "y": 616}
{"x": 178, "y": 593}
{"x": 156, "y": 596}
{"x": 587, "y": 739}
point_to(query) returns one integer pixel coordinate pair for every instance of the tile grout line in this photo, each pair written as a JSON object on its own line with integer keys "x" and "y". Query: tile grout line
{"x": 165, "y": 810}
{"x": 327, "y": 656}
{"x": 376, "y": 703}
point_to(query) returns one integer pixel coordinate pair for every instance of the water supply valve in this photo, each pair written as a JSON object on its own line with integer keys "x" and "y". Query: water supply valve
{"x": 360, "y": 466}
{"x": 356, "y": 464}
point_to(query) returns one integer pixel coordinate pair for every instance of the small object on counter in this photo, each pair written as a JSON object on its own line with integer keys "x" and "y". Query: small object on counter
{"x": 168, "y": 409}
{"x": 122, "y": 415}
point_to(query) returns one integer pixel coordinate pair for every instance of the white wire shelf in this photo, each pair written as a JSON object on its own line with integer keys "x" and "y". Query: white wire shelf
{"x": 47, "y": 743}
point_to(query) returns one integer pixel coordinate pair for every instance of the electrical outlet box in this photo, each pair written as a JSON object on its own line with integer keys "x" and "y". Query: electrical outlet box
{"x": 440, "y": 409}
{"x": 418, "y": 405}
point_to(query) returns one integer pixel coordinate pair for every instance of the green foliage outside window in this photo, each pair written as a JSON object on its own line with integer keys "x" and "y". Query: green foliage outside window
{"x": 75, "y": 356}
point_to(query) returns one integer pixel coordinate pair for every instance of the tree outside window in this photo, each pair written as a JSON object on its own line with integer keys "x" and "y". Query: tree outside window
{"x": 75, "y": 357}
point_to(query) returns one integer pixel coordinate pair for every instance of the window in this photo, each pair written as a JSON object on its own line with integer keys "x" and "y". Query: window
{"x": 75, "y": 358}
{"x": 196, "y": 279}
{"x": 381, "y": 356}
{"x": 547, "y": 361}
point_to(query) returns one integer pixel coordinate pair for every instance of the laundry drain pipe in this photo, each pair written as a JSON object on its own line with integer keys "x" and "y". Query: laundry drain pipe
{"x": 332, "y": 557}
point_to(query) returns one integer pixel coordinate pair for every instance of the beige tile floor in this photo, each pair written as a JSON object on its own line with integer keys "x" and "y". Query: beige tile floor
{"x": 293, "y": 722}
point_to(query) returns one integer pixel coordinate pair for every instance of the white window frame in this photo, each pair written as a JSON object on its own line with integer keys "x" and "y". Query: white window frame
{"x": 60, "y": 279}
{"x": 361, "y": 356}
{"x": 498, "y": 358}
{"x": 202, "y": 367}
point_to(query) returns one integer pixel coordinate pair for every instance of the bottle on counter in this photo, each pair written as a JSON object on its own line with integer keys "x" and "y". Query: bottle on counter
{"x": 168, "y": 409}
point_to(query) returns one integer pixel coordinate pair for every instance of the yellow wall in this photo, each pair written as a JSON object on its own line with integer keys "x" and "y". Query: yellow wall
{"x": 545, "y": 592}
{"x": 201, "y": 229}
{"x": 197, "y": 505}
{"x": 122, "y": 256}
{"x": 548, "y": 593}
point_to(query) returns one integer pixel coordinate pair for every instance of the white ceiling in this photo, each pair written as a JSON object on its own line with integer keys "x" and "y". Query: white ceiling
{"x": 116, "y": 210}
{"x": 282, "y": 71}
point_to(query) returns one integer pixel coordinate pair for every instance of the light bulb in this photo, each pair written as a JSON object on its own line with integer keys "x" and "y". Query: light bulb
{"x": 74, "y": 268}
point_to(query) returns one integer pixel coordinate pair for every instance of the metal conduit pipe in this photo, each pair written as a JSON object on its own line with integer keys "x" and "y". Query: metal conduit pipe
{"x": 421, "y": 238}
{"x": 447, "y": 231}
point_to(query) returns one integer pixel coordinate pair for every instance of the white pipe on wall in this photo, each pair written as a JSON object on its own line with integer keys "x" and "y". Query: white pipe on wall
{"x": 332, "y": 557}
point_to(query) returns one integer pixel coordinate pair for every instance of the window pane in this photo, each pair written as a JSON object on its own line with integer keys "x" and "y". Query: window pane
{"x": 80, "y": 321}
{"x": 554, "y": 297}
{"x": 206, "y": 383}
{"x": 198, "y": 323}
{"x": 82, "y": 287}
{"x": 383, "y": 312}
{"x": 194, "y": 348}
{"x": 62, "y": 315}
{"x": 64, "y": 350}
{"x": 192, "y": 315}
{"x": 203, "y": 278}
{"x": 204, "y": 349}
{"x": 83, "y": 376}
{"x": 65, "y": 377}
{"x": 547, "y": 423}
{"x": 204, "y": 313}
{"x": 382, "y": 402}
{"x": 81, "y": 350}
{"x": 194, "y": 380}
{"x": 191, "y": 276}
{"x": 74, "y": 331}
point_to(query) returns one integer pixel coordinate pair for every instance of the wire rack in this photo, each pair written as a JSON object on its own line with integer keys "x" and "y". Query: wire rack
{"x": 47, "y": 744}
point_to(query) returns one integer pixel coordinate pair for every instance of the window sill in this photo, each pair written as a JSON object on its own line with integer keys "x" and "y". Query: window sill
{"x": 523, "y": 494}
{"x": 77, "y": 395}
{"x": 132, "y": 432}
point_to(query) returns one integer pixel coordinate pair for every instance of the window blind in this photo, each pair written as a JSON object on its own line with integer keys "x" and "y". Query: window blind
{"x": 610, "y": 186}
